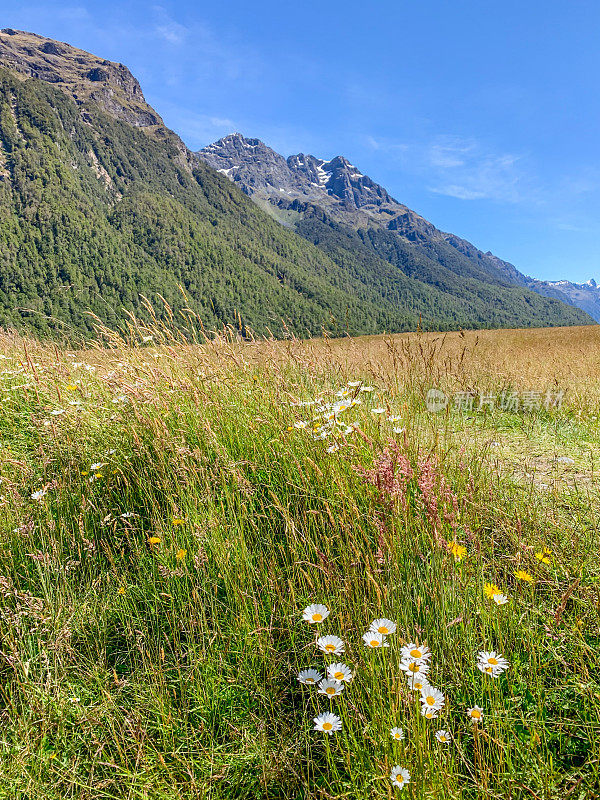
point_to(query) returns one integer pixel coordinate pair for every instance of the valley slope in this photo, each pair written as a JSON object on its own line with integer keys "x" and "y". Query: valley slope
{"x": 102, "y": 206}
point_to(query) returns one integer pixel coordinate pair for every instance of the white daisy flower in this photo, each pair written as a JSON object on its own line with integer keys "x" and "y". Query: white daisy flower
{"x": 415, "y": 652}
{"x": 475, "y": 714}
{"x": 341, "y": 405}
{"x": 394, "y": 419}
{"x": 443, "y": 736}
{"x": 368, "y": 389}
{"x": 330, "y": 688}
{"x": 39, "y": 494}
{"x": 316, "y": 612}
{"x": 412, "y": 667}
{"x": 492, "y": 663}
{"x": 339, "y": 672}
{"x": 397, "y": 734}
{"x": 399, "y": 430}
{"x": 309, "y": 677}
{"x": 416, "y": 682}
{"x": 342, "y": 393}
{"x": 400, "y": 777}
{"x": 429, "y": 713}
{"x": 374, "y": 639}
{"x": 57, "y": 411}
{"x": 500, "y": 599}
{"x": 333, "y": 448}
{"x": 331, "y": 644}
{"x": 383, "y": 626}
{"x": 300, "y": 424}
{"x": 328, "y": 723}
{"x": 354, "y": 383}
{"x": 432, "y": 698}
{"x": 378, "y": 410}
{"x": 97, "y": 466}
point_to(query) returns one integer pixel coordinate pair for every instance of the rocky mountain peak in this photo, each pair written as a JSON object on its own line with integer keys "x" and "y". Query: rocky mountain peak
{"x": 81, "y": 75}
{"x": 255, "y": 167}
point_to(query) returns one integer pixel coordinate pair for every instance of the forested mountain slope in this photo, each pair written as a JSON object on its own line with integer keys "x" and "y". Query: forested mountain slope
{"x": 101, "y": 205}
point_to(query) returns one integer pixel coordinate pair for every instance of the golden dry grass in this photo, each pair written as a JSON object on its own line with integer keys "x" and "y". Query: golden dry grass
{"x": 131, "y": 670}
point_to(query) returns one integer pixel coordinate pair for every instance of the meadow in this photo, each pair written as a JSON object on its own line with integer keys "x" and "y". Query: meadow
{"x": 169, "y": 511}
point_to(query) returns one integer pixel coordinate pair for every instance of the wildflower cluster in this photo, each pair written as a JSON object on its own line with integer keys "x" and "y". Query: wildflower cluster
{"x": 415, "y": 663}
{"x": 329, "y": 419}
{"x": 495, "y": 594}
{"x": 340, "y": 674}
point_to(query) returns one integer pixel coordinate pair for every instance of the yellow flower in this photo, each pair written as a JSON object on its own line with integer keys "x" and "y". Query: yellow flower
{"x": 523, "y": 576}
{"x": 543, "y": 556}
{"x": 154, "y": 540}
{"x": 457, "y": 550}
{"x": 490, "y": 589}
{"x": 120, "y": 590}
{"x": 181, "y": 554}
{"x": 178, "y": 521}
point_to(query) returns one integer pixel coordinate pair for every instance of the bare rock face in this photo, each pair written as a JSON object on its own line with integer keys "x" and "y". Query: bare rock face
{"x": 51, "y": 48}
{"x": 255, "y": 167}
{"x": 83, "y": 76}
{"x": 97, "y": 74}
{"x": 237, "y": 158}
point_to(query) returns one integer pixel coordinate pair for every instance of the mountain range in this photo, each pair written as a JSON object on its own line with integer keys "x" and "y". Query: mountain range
{"x": 102, "y": 206}
{"x": 290, "y": 188}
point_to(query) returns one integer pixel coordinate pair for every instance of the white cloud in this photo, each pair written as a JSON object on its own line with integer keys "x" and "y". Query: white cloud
{"x": 451, "y": 153}
{"x": 464, "y": 168}
{"x": 221, "y": 122}
{"x": 167, "y": 28}
{"x": 197, "y": 129}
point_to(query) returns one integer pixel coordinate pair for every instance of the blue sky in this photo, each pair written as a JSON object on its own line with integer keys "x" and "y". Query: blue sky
{"x": 481, "y": 115}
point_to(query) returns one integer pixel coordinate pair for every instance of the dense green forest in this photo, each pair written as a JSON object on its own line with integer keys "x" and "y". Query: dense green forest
{"x": 95, "y": 214}
{"x": 437, "y": 282}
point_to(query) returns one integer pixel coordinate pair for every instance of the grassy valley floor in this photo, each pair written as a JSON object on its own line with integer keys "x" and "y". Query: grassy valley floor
{"x": 169, "y": 510}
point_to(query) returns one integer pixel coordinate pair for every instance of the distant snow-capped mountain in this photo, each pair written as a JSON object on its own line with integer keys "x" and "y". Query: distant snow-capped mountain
{"x": 582, "y": 295}
{"x": 291, "y": 188}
